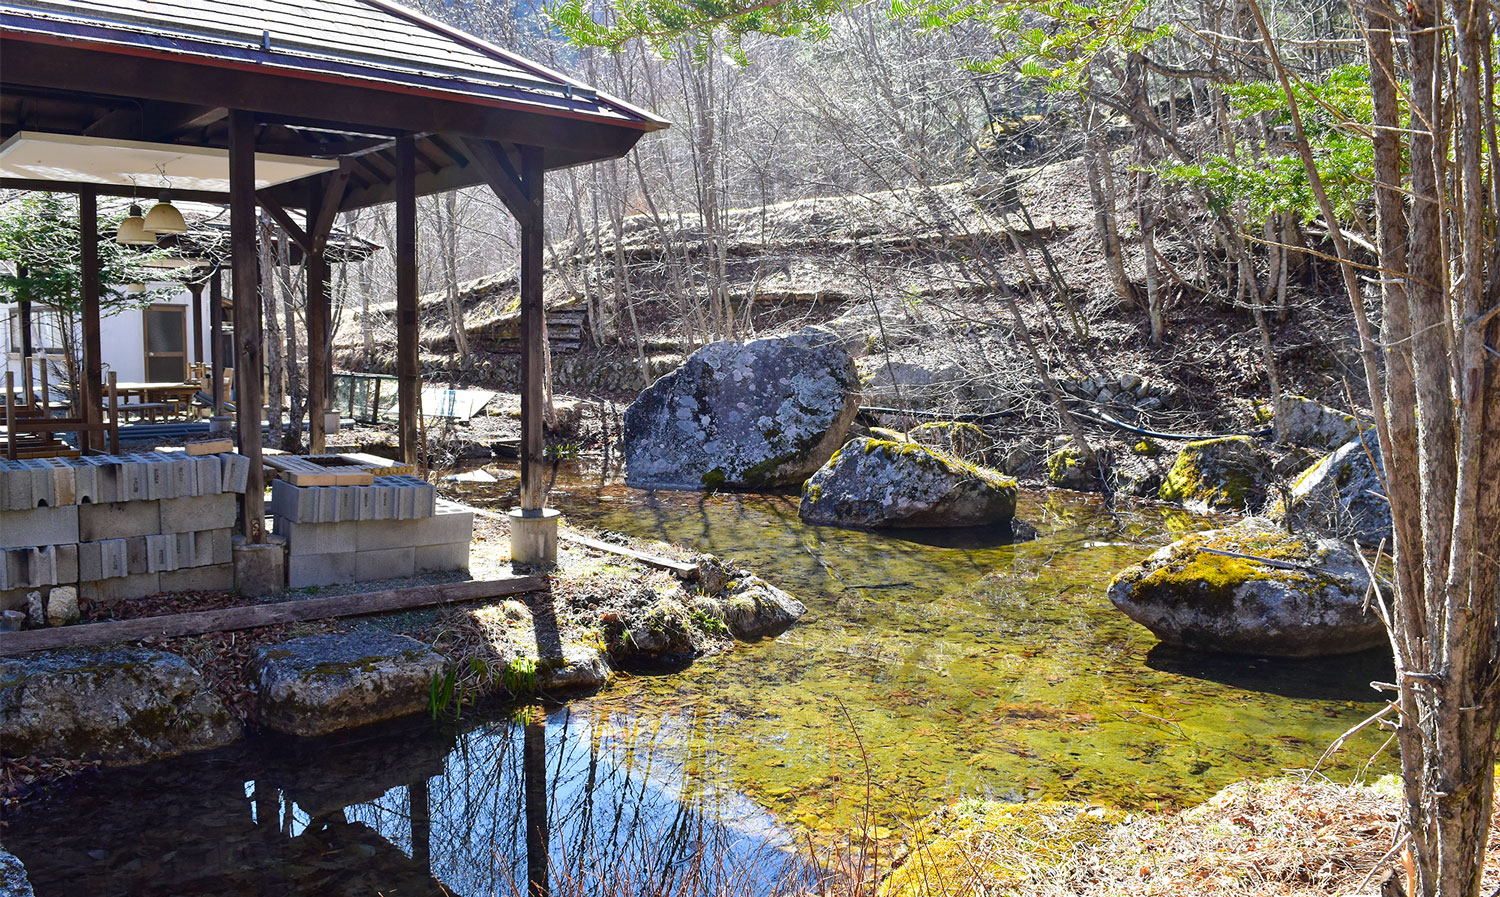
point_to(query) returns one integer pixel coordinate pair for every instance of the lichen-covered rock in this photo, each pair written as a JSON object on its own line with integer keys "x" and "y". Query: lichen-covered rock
{"x": 751, "y": 415}
{"x": 121, "y": 706}
{"x": 1067, "y": 468}
{"x": 525, "y": 655}
{"x": 1342, "y": 495}
{"x": 324, "y": 683}
{"x": 1224, "y": 474}
{"x": 753, "y": 608}
{"x": 1305, "y": 422}
{"x": 917, "y": 378}
{"x": 1202, "y": 593}
{"x": 13, "y": 881}
{"x": 873, "y": 483}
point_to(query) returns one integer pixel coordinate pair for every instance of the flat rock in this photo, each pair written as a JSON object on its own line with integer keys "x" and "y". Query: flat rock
{"x": 121, "y": 706}
{"x": 1192, "y": 597}
{"x": 875, "y": 483}
{"x": 323, "y": 683}
{"x": 745, "y": 415}
{"x": 1225, "y": 474}
{"x": 1342, "y": 495}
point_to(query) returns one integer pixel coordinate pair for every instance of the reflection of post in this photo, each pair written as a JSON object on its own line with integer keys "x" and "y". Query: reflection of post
{"x": 538, "y": 832}
{"x": 421, "y": 825}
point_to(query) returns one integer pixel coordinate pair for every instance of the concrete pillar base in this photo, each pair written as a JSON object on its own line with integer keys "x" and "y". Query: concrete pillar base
{"x": 533, "y": 537}
{"x": 221, "y": 423}
{"x": 260, "y": 568}
{"x": 332, "y": 420}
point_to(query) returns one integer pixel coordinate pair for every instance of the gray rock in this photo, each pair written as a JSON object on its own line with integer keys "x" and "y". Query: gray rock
{"x": 13, "y": 881}
{"x": 36, "y": 610}
{"x": 752, "y": 415}
{"x": 1068, "y": 469}
{"x": 753, "y": 608}
{"x": 1229, "y": 473}
{"x": 1305, "y": 422}
{"x": 920, "y": 380}
{"x": 323, "y": 683}
{"x": 62, "y": 606}
{"x": 1192, "y": 597}
{"x": 1342, "y": 495}
{"x": 871, "y": 483}
{"x": 121, "y": 706}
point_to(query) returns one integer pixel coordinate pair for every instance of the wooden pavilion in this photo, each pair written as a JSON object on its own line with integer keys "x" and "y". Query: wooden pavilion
{"x": 304, "y": 108}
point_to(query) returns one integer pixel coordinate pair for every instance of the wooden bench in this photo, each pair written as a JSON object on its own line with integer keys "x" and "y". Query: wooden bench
{"x": 149, "y": 410}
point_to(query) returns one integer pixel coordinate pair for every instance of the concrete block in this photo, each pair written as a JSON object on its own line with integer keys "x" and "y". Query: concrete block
{"x": 533, "y": 537}
{"x": 43, "y": 494}
{"x": 15, "y": 487}
{"x": 106, "y": 559}
{"x": 196, "y": 513}
{"x": 210, "y": 475}
{"x": 234, "y": 472}
{"x": 22, "y": 568}
{"x": 303, "y": 570}
{"x": 118, "y": 519}
{"x": 453, "y": 526}
{"x": 318, "y": 538}
{"x": 207, "y": 578}
{"x": 63, "y": 480}
{"x": 39, "y": 526}
{"x": 136, "y": 585}
{"x": 443, "y": 558}
{"x": 295, "y": 504}
{"x": 260, "y": 567}
{"x": 85, "y": 484}
{"x": 221, "y": 542}
{"x": 67, "y": 562}
{"x": 386, "y": 563}
{"x": 161, "y": 553}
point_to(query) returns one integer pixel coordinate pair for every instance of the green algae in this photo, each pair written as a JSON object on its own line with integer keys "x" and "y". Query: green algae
{"x": 958, "y": 665}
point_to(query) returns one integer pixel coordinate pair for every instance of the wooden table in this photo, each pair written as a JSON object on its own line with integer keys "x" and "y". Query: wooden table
{"x": 177, "y": 394}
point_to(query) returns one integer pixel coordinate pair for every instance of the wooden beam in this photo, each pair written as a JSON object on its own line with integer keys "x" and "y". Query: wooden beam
{"x": 195, "y": 288}
{"x": 247, "y": 325}
{"x": 209, "y": 196}
{"x": 504, "y": 180}
{"x": 92, "y": 392}
{"x": 330, "y": 196}
{"x": 408, "y": 383}
{"x": 287, "y": 222}
{"x": 533, "y": 324}
{"x": 232, "y": 619}
{"x": 315, "y": 264}
{"x": 215, "y": 337}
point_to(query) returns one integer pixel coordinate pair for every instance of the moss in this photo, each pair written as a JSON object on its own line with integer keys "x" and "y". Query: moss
{"x": 922, "y": 454}
{"x": 886, "y": 434}
{"x": 1219, "y": 472}
{"x": 714, "y": 479}
{"x": 1210, "y": 579}
{"x": 1146, "y": 449}
{"x": 987, "y": 847}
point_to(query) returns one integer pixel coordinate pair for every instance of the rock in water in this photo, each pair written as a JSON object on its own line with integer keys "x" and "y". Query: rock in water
{"x": 127, "y": 705}
{"x": 753, "y": 608}
{"x": 1308, "y": 423}
{"x": 1224, "y": 474}
{"x": 13, "y": 881}
{"x": 1342, "y": 495}
{"x": 872, "y": 482}
{"x": 1192, "y": 597}
{"x": 323, "y": 683}
{"x": 751, "y": 415}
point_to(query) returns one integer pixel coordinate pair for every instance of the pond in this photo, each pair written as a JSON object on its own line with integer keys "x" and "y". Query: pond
{"x": 932, "y": 665}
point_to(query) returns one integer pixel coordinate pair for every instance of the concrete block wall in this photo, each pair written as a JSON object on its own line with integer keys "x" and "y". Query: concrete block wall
{"x": 118, "y": 526}
{"x": 395, "y": 528}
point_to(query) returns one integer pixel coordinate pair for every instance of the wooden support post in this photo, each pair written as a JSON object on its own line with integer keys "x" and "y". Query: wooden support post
{"x": 45, "y": 406}
{"x": 408, "y": 385}
{"x": 216, "y": 338}
{"x": 322, "y": 207}
{"x": 27, "y": 362}
{"x": 533, "y": 324}
{"x": 247, "y": 328}
{"x": 92, "y": 392}
{"x": 10, "y": 415}
{"x": 23, "y": 309}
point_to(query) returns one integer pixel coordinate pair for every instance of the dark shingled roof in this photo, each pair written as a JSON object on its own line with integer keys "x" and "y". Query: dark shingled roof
{"x": 359, "y": 40}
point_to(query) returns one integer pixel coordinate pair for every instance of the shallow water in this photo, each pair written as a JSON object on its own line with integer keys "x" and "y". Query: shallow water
{"x": 932, "y": 665}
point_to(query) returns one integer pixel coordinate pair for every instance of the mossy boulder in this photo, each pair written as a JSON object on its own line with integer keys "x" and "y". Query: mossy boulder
{"x": 957, "y": 438}
{"x": 990, "y": 847}
{"x": 743, "y": 415}
{"x": 1225, "y": 474}
{"x": 1314, "y": 425}
{"x": 753, "y": 608}
{"x": 1342, "y": 495}
{"x": 875, "y": 483}
{"x": 1067, "y": 468}
{"x": 1216, "y": 591}
{"x": 324, "y": 683}
{"x": 121, "y": 706}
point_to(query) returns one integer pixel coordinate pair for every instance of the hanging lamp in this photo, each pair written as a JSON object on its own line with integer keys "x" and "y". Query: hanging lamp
{"x": 132, "y": 231}
{"x": 164, "y": 218}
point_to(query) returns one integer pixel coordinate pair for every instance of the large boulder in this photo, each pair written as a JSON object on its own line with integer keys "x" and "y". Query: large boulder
{"x": 1225, "y": 474}
{"x": 1314, "y": 425}
{"x": 324, "y": 683}
{"x": 752, "y": 415}
{"x": 121, "y": 706}
{"x": 872, "y": 483}
{"x": 13, "y": 881}
{"x": 1342, "y": 495}
{"x": 1215, "y": 591}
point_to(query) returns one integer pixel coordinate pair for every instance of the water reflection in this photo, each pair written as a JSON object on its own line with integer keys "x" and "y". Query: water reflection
{"x": 529, "y": 803}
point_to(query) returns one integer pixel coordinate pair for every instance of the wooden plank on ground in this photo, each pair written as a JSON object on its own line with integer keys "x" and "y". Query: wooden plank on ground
{"x": 253, "y": 616}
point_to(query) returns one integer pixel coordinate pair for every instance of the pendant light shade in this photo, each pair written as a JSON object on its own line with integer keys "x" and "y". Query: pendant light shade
{"x": 165, "y": 219}
{"x": 135, "y": 288}
{"x": 133, "y": 231}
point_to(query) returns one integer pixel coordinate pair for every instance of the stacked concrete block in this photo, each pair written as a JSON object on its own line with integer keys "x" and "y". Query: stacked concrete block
{"x": 118, "y": 526}
{"x": 393, "y": 528}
